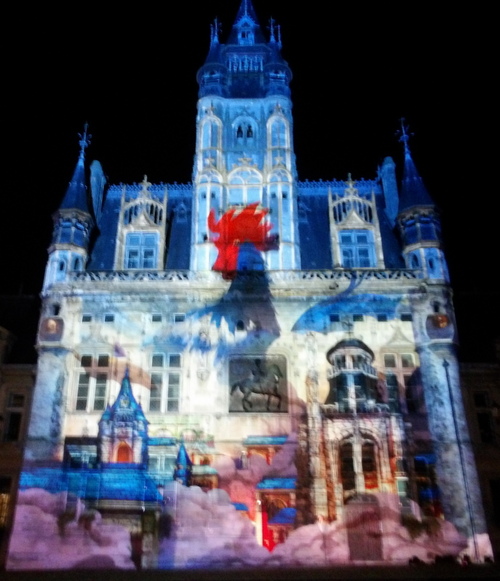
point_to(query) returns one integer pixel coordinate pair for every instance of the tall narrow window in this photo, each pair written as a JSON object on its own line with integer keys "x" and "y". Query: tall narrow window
{"x": 278, "y": 133}
{"x": 165, "y": 382}
{"x": 403, "y": 383}
{"x": 92, "y": 384}
{"x": 369, "y": 465}
{"x": 347, "y": 473}
{"x": 210, "y": 135}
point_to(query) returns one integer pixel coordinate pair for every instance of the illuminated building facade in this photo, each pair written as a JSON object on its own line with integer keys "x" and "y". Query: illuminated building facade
{"x": 249, "y": 369}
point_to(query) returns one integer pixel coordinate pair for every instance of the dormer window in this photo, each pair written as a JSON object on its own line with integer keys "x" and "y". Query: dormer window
{"x": 356, "y": 240}
{"x": 141, "y": 250}
{"x": 246, "y": 36}
{"x": 357, "y": 249}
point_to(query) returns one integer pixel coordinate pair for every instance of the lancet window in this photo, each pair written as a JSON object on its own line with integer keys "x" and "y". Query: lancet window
{"x": 278, "y": 139}
{"x": 245, "y": 131}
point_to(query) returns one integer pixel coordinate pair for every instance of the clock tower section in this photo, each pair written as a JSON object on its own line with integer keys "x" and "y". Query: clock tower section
{"x": 244, "y": 145}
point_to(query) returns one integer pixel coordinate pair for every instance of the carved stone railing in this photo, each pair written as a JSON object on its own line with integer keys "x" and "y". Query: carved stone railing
{"x": 277, "y": 276}
{"x": 341, "y": 274}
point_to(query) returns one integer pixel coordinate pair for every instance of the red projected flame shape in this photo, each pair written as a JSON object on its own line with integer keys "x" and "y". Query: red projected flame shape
{"x": 238, "y": 226}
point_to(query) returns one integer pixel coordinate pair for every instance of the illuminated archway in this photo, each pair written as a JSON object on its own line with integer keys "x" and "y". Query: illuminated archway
{"x": 124, "y": 454}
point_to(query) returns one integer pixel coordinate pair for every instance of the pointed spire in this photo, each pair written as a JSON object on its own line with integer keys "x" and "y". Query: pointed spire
{"x": 246, "y": 9}
{"x": 246, "y": 29}
{"x": 125, "y": 403}
{"x": 76, "y": 194}
{"x": 274, "y": 33}
{"x": 413, "y": 190}
{"x": 271, "y": 30}
{"x": 183, "y": 467}
{"x": 214, "y": 29}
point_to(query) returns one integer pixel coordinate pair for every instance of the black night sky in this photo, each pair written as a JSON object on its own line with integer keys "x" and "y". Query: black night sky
{"x": 358, "y": 68}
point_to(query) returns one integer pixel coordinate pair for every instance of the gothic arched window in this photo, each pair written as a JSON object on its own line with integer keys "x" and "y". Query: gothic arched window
{"x": 278, "y": 133}
{"x": 209, "y": 134}
{"x": 245, "y": 131}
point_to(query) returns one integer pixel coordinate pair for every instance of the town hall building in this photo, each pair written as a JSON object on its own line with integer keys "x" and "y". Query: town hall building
{"x": 249, "y": 369}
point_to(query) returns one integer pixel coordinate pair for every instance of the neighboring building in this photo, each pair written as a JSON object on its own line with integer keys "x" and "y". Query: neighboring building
{"x": 16, "y": 388}
{"x": 481, "y": 389}
{"x": 249, "y": 369}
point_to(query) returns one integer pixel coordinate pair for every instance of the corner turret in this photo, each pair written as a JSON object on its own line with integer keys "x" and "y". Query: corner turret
{"x": 418, "y": 221}
{"x": 73, "y": 223}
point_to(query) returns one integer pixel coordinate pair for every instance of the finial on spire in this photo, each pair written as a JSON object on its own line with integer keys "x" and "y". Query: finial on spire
{"x": 214, "y": 29}
{"x": 271, "y": 29}
{"x": 404, "y": 135}
{"x": 145, "y": 185}
{"x": 84, "y": 140}
{"x": 350, "y": 183}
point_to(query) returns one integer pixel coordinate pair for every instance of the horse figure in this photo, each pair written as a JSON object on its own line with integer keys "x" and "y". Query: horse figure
{"x": 266, "y": 383}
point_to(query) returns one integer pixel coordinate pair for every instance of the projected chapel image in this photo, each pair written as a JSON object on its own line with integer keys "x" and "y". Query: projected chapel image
{"x": 249, "y": 370}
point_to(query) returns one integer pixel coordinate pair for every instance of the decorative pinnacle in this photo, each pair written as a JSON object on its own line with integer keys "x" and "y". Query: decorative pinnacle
{"x": 215, "y": 29}
{"x": 84, "y": 140}
{"x": 145, "y": 186}
{"x": 271, "y": 29}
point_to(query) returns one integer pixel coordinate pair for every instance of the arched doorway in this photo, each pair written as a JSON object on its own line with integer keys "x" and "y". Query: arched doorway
{"x": 124, "y": 454}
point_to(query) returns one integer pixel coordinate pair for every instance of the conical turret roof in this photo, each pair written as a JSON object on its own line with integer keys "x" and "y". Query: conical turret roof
{"x": 413, "y": 190}
{"x": 76, "y": 197}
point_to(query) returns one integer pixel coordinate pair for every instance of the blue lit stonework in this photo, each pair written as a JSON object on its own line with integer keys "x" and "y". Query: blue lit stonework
{"x": 249, "y": 369}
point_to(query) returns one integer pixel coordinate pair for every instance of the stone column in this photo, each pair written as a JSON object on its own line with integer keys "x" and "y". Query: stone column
{"x": 44, "y": 441}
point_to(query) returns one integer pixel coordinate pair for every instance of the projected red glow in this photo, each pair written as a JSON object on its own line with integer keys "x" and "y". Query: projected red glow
{"x": 238, "y": 226}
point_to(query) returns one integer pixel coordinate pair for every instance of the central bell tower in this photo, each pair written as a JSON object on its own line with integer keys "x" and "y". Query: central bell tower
{"x": 244, "y": 145}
